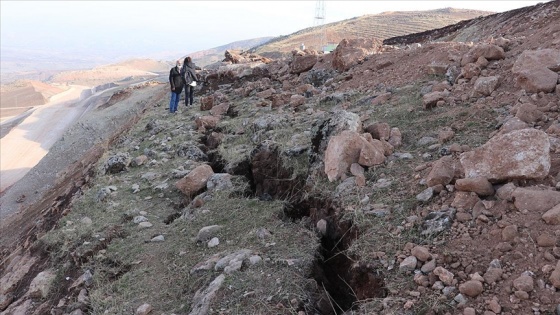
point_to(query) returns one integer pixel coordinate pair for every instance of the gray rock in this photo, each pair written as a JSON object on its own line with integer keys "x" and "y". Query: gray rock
{"x": 425, "y": 195}
{"x": 138, "y": 219}
{"x": 135, "y": 188}
{"x": 232, "y": 259}
{"x": 145, "y": 225}
{"x": 447, "y": 291}
{"x": 460, "y": 299}
{"x": 438, "y": 221}
{"x": 255, "y": 259}
{"x": 218, "y": 182}
{"x": 144, "y": 309}
{"x": 408, "y": 264}
{"x": 150, "y": 176}
{"x": 207, "y": 232}
{"x": 191, "y": 152}
{"x": 233, "y": 266}
{"x": 213, "y": 242}
{"x": 203, "y": 298}
{"x": 424, "y": 141}
{"x": 403, "y": 156}
{"x": 158, "y": 239}
{"x": 117, "y": 163}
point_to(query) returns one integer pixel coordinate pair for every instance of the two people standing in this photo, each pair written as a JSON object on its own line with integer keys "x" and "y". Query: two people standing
{"x": 182, "y": 76}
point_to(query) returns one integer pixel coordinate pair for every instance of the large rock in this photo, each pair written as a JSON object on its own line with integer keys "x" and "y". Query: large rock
{"x": 203, "y": 298}
{"x": 529, "y": 113}
{"x": 303, "y": 63}
{"x": 484, "y": 86}
{"x": 195, "y": 180}
{"x": 41, "y": 284}
{"x": 532, "y": 73}
{"x": 431, "y": 99}
{"x": 443, "y": 171}
{"x": 206, "y": 122}
{"x": 488, "y": 51}
{"x": 347, "y": 148}
{"x": 351, "y": 51}
{"x": 520, "y": 154}
{"x": 380, "y": 131}
{"x": 535, "y": 200}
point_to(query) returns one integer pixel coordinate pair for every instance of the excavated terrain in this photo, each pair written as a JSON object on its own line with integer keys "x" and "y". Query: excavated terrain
{"x": 412, "y": 178}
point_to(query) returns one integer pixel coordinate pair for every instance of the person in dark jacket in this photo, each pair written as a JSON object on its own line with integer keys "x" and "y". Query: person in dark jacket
{"x": 176, "y": 82}
{"x": 189, "y": 77}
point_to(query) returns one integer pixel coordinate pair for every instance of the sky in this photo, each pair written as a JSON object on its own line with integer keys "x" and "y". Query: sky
{"x": 122, "y": 29}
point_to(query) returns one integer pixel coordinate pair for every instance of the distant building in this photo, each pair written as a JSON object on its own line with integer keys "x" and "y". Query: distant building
{"x": 329, "y": 48}
{"x": 302, "y": 47}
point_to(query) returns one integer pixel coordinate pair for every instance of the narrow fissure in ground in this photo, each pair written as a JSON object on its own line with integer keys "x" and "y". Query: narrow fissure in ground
{"x": 341, "y": 278}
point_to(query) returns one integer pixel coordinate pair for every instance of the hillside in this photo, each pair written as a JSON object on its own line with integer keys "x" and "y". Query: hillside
{"x": 376, "y": 26}
{"x": 19, "y": 96}
{"x": 212, "y": 55}
{"x": 133, "y": 69}
{"x": 375, "y": 180}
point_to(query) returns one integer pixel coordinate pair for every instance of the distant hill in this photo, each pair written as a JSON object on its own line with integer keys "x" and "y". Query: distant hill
{"x": 125, "y": 70}
{"x": 208, "y": 56}
{"x": 380, "y": 26}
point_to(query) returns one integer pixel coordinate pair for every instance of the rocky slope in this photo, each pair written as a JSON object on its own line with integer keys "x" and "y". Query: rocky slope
{"x": 380, "y": 179}
{"x": 373, "y": 26}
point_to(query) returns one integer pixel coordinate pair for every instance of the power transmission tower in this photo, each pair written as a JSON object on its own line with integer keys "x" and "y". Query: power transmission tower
{"x": 320, "y": 22}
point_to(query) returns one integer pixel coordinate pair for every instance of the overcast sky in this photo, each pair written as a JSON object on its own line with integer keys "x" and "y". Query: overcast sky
{"x": 149, "y": 28}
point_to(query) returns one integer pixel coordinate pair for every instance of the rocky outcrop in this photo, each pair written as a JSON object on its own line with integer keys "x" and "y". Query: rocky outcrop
{"x": 347, "y": 148}
{"x": 303, "y": 63}
{"x": 532, "y": 70}
{"x": 520, "y": 154}
{"x": 351, "y": 51}
{"x": 195, "y": 180}
{"x": 488, "y": 51}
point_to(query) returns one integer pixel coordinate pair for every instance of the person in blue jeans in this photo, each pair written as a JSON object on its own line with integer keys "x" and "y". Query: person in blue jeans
{"x": 176, "y": 82}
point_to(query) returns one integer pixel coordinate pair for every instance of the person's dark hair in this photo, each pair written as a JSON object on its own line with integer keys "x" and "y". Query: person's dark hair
{"x": 188, "y": 59}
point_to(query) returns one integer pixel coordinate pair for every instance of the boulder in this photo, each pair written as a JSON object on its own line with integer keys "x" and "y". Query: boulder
{"x": 206, "y": 122}
{"x": 303, "y": 63}
{"x": 195, "y": 180}
{"x": 531, "y": 70}
{"x": 41, "y": 284}
{"x": 520, "y": 154}
{"x": 513, "y": 124}
{"x": 488, "y": 51}
{"x": 484, "y": 86}
{"x": 395, "y": 139}
{"x": 443, "y": 171}
{"x": 350, "y": 147}
{"x": 206, "y": 102}
{"x": 351, "y": 51}
{"x": 117, "y": 163}
{"x": 380, "y": 131}
{"x": 431, "y": 99}
{"x": 297, "y": 100}
{"x": 529, "y": 113}
{"x": 219, "y": 110}
{"x": 535, "y": 200}
{"x": 470, "y": 70}
{"x": 204, "y": 297}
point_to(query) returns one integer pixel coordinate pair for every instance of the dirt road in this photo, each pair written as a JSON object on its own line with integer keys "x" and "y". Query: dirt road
{"x": 29, "y": 142}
